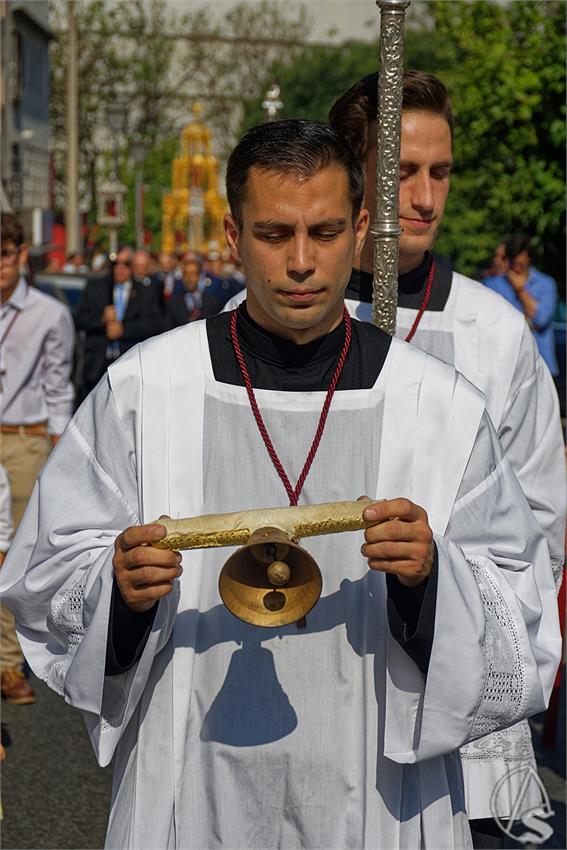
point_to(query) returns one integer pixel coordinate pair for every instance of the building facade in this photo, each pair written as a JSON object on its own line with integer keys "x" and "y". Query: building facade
{"x": 24, "y": 113}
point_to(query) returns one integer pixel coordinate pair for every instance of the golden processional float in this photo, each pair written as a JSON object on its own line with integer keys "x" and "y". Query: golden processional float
{"x": 272, "y": 580}
{"x": 192, "y": 213}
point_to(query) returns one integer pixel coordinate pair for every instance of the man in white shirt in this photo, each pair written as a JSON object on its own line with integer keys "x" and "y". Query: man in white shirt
{"x": 36, "y": 355}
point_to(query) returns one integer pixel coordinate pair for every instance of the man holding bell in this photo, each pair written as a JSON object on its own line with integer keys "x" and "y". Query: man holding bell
{"x": 430, "y": 630}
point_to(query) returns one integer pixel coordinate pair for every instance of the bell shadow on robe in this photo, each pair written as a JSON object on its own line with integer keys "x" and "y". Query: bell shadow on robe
{"x": 251, "y": 707}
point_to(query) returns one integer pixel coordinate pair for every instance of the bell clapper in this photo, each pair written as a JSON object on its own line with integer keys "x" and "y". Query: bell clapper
{"x": 278, "y": 573}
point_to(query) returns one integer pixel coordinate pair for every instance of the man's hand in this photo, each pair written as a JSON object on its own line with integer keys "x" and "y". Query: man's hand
{"x": 108, "y": 314}
{"x": 400, "y": 541}
{"x": 114, "y": 330}
{"x": 144, "y": 574}
{"x": 518, "y": 280}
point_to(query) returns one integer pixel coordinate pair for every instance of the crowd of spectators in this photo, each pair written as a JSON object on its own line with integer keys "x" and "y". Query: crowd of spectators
{"x": 130, "y": 295}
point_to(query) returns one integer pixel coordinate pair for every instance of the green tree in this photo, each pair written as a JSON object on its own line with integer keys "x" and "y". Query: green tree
{"x": 157, "y": 181}
{"x": 319, "y": 73}
{"x": 100, "y": 75}
{"x": 227, "y": 58}
{"x": 504, "y": 66}
{"x": 310, "y": 84}
{"x": 123, "y": 54}
{"x": 131, "y": 50}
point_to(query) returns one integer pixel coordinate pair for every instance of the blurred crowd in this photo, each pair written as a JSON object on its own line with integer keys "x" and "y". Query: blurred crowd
{"x": 131, "y": 295}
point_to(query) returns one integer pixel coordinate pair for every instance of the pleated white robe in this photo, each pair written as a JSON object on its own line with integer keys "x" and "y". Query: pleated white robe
{"x": 226, "y": 735}
{"x": 490, "y": 342}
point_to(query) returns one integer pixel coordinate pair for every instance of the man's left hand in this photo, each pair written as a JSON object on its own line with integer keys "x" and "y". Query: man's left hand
{"x": 399, "y": 541}
{"x": 114, "y": 330}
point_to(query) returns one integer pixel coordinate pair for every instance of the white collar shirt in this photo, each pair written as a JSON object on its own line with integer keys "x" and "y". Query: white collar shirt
{"x": 36, "y": 357}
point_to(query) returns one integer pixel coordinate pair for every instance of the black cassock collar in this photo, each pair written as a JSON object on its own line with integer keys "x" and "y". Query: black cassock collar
{"x": 278, "y": 364}
{"x": 411, "y": 286}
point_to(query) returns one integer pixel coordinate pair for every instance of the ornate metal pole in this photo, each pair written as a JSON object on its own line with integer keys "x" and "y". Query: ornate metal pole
{"x": 386, "y": 228}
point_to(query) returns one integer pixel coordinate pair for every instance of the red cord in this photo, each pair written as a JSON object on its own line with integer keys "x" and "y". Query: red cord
{"x": 424, "y": 303}
{"x": 293, "y": 494}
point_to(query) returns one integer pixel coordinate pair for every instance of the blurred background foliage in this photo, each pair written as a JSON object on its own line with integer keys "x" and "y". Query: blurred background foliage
{"x": 503, "y": 63}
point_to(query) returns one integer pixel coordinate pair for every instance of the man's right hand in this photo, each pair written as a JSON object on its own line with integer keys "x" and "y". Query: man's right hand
{"x": 108, "y": 314}
{"x": 144, "y": 574}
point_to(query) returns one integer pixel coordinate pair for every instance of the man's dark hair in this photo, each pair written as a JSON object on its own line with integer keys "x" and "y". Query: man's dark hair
{"x": 12, "y": 230}
{"x": 516, "y": 244}
{"x": 351, "y": 114}
{"x": 292, "y": 146}
{"x": 194, "y": 259}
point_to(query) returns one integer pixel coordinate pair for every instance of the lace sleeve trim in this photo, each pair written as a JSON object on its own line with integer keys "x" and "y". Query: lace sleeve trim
{"x": 513, "y": 745}
{"x": 65, "y": 620}
{"x": 504, "y": 695}
{"x": 557, "y": 565}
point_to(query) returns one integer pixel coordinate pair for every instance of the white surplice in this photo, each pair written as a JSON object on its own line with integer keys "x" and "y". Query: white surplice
{"x": 490, "y": 343}
{"x": 226, "y": 735}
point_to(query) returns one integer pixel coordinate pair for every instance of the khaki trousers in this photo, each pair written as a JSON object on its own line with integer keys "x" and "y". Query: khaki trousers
{"x": 22, "y": 456}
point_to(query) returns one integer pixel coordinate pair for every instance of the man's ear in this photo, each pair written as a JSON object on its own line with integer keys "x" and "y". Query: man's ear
{"x": 361, "y": 226}
{"x": 231, "y": 234}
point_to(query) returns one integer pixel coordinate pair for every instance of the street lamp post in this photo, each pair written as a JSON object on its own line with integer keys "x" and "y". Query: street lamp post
{"x": 111, "y": 212}
{"x": 116, "y": 119}
{"x": 138, "y": 155}
{"x": 72, "y": 230}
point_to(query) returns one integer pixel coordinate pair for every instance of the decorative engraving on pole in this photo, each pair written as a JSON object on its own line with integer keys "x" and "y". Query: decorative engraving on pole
{"x": 386, "y": 228}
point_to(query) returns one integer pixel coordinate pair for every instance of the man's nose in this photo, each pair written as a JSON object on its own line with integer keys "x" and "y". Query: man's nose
{"x": 301, "y": 257}
{"x": 422, "y": 194}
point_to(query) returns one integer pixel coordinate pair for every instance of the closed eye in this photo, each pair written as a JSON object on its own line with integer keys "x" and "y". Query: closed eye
{"x": 273, "y": 237}
{"x": 327, "y": 235}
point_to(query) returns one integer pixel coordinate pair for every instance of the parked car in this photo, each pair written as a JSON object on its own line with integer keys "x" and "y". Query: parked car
{"x": 66, "y": 287}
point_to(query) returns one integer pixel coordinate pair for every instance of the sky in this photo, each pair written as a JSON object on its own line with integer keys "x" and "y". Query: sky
{"x": 346, "y": 18}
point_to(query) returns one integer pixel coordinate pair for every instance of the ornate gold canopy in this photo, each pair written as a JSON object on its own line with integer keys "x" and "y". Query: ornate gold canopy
{"x": 192, "y": 213}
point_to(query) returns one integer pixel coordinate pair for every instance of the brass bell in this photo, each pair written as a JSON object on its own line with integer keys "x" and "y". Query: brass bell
{"x": 271, "y": 581}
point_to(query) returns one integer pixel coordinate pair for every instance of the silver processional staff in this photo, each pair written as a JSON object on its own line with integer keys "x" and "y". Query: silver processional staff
{"x": 386, "y": 227}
